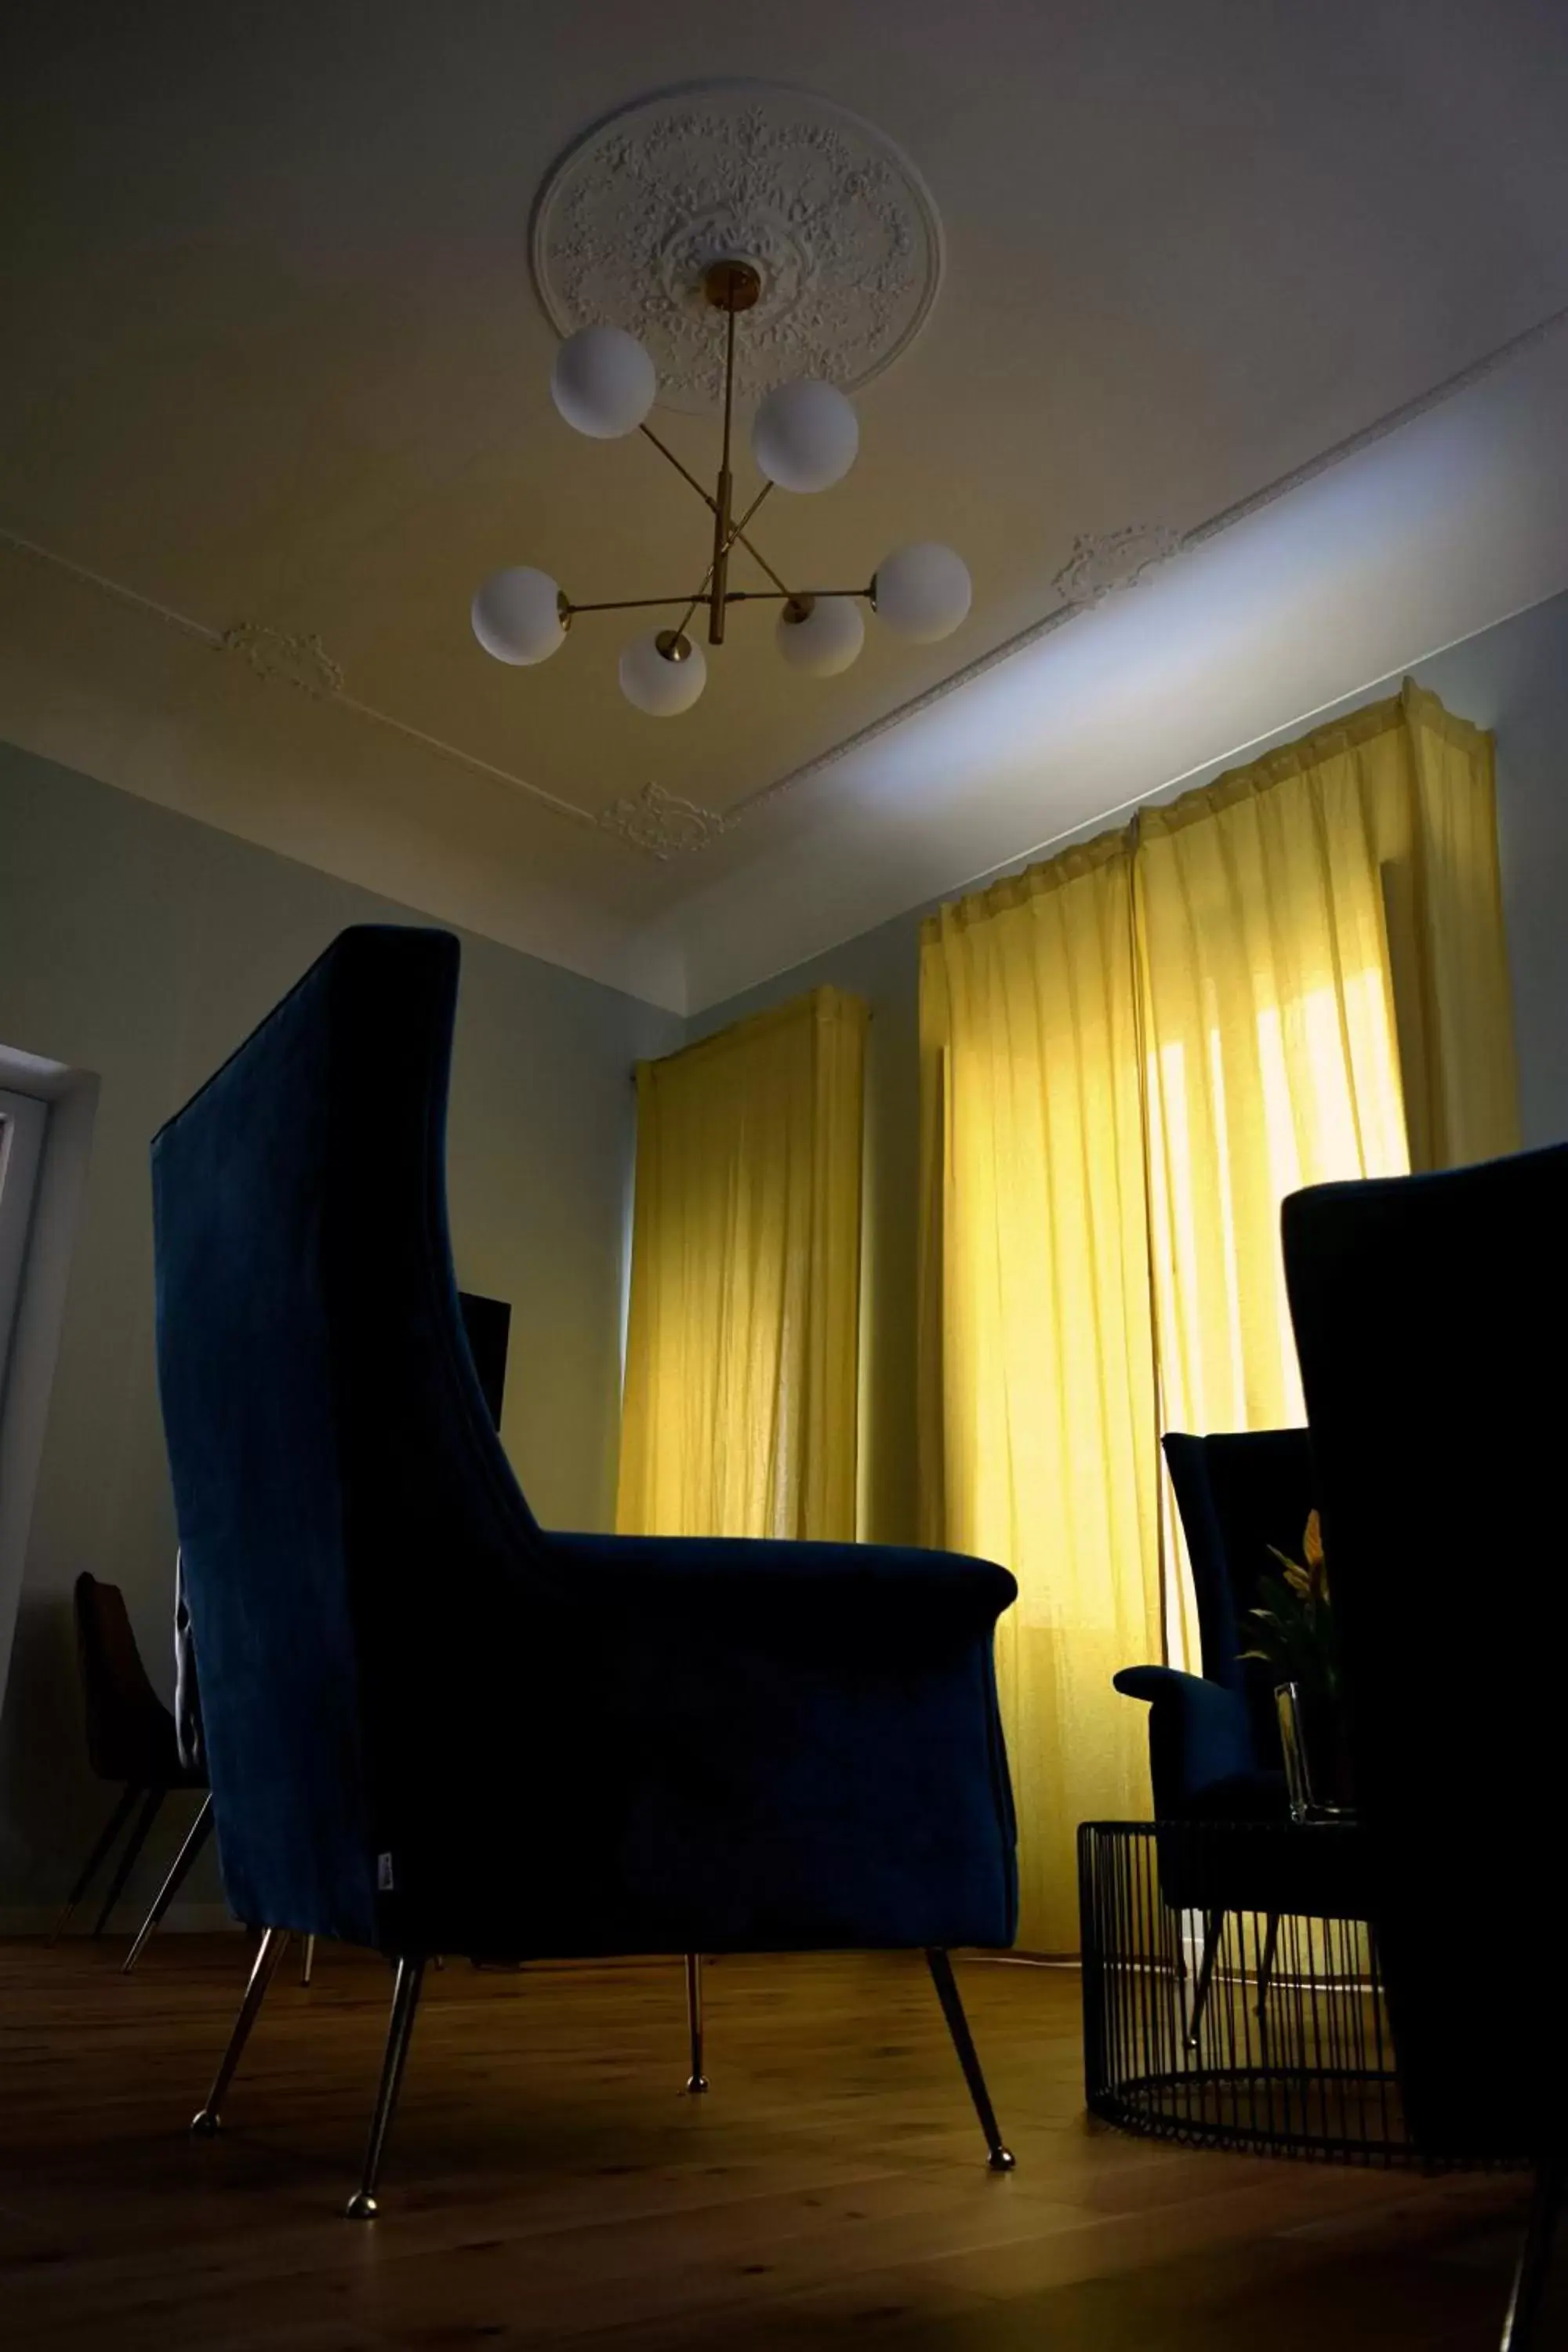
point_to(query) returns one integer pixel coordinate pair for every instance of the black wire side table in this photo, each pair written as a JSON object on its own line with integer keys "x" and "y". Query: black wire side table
{"x": 1231, "y": 1995}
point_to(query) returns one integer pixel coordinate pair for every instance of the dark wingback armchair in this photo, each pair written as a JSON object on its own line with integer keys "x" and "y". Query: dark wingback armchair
{"x": 1213, "y": 1748}
{"x": 1428, "y": 1315}
{"x": 431, "y": 1725}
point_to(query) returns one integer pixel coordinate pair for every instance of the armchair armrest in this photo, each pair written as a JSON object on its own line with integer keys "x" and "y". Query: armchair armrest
{"x": 835, "y": 1594}
{"x": 1201, "y": 1755}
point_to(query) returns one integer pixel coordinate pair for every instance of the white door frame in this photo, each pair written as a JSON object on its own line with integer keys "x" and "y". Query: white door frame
{"x": 23, "y": 1119}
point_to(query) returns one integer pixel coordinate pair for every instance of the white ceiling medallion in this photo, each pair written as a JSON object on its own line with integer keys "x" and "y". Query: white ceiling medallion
{"x": 834, "y": 218}
{"x": 663, "y": 824}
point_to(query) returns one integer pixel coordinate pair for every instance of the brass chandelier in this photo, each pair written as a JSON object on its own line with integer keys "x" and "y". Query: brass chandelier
{"x": 805, "y": 436}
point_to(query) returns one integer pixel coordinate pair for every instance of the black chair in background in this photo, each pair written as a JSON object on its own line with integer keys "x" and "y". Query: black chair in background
{"x": 131, "y": 1739}
{"x": 1213, "y": 1740}
{"x": 1429, "y": 1313}
{"x": 1242, "y": 1497}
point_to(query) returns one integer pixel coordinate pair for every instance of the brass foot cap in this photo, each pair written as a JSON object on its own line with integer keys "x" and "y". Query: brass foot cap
{"x": 1002, "y": 2159}
{"x": 360, "y": 2208}
{"x": 697, "y": 2084}
{"x": 205, "y": 2125}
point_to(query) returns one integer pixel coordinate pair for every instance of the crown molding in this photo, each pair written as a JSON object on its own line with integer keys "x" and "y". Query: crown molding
{"x": 276, "y": 657}
{"x": 1097, "y": 569}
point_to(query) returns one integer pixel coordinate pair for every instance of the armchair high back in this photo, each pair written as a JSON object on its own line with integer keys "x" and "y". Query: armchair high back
{"x": 1428, "y": 1315}
{"x": 1239, "y": 1494}
{"x": 1213, "y": 1748}
{"x": 432, "y": 1726}
{"x": 348, "y": 1524}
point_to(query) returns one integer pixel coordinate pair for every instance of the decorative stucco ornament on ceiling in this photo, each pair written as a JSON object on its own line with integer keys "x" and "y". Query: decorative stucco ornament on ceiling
{"x": 663, "y": 824}
{"x": 1104, "y": 561}
{"x": 834, "y": 218}
{"x": 281, "y": 659}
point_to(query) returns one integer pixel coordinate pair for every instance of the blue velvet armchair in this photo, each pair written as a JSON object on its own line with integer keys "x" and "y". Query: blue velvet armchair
{"x": 1429, "y": 1315}
{"x": 1214, "y": 1746}
{"x": 434, "y": 1727}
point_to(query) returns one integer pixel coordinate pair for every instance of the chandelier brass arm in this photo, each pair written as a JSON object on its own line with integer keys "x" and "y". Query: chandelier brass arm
{"x": 719, "y": 596}
{"x": 731, "y": 287}
{"x": 712, "y": 503}
{"x": 804, "y": 439}
{"x": 805, "y": 597}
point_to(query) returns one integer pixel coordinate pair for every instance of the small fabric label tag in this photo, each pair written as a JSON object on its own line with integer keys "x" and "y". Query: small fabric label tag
{"x": 384, "y": 1873}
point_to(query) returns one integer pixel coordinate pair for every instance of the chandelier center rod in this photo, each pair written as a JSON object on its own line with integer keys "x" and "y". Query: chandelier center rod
{"x": 731, "y": 287}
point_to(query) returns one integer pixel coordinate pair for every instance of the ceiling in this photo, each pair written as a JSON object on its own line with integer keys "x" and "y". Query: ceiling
{"x": 1236, "y": 394}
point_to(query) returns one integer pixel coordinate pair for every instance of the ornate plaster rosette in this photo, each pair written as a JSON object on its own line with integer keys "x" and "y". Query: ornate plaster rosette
{"x": 832, "y": 214}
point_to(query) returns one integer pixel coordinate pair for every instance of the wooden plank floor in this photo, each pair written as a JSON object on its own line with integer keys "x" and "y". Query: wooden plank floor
{"x": 549, "y": 2184}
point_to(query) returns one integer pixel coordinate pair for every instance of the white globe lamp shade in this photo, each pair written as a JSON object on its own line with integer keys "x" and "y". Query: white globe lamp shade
{"x": 662, "y": 679}
{"x": 826, "y": 640}
{"x": 922, "y": 592}
{"x": 517, "y": 615}
{"x": 805, "y": 436}
{"x": 603, "y": 381}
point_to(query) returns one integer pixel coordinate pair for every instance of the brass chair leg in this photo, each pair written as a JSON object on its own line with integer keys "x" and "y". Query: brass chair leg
{"x": 1529, "y": 2292}
{"x": 1000, "y": 2157}
{"x": 308, "y": 1961}
{"x": 206, "y": 2123}
{"x": 363, "y": 2205}
{"x": 195, "y": 1838}
{"x": 697, "y": 2081}
{"x": 129, "y": 1853}
{"x": 111, "y": 1828}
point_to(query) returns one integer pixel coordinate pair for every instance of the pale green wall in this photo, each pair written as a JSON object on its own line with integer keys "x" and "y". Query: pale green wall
{"x": 143, "y": 945}
{"x": 1513, "y": 678}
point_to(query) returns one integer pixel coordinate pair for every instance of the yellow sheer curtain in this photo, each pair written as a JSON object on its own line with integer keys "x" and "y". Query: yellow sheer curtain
{"x": 1292, "y": 975}
{"x": 1448, "y": 945}
{"x": 739, "y": 1412}
{"x": 1039, "y": 1432}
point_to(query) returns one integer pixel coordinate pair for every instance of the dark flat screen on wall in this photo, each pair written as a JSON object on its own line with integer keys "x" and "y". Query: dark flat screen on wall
{"x": 487, "y": 1322}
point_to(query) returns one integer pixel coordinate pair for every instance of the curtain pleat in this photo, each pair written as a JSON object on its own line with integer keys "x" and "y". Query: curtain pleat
{"x": 1039, "y": 1411}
